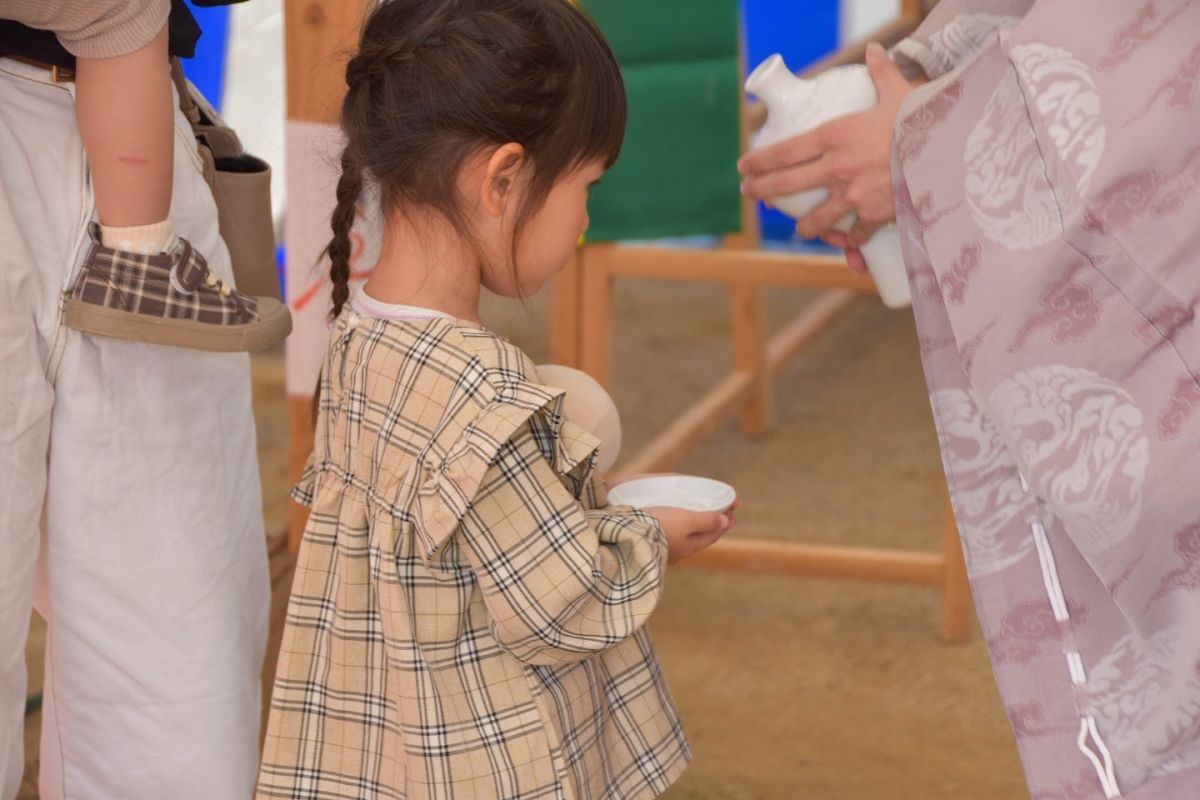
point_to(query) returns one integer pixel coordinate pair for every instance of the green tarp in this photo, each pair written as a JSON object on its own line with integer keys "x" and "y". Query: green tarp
{"x": 677, "y": 173}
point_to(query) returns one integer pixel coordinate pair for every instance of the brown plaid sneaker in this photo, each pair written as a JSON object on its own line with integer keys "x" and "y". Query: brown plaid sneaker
{"x": 170, "y": 298}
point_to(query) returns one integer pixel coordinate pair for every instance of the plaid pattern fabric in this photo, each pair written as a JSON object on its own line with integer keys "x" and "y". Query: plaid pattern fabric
{"x": 467, "y": 614}
{"x": 142, "y": 284}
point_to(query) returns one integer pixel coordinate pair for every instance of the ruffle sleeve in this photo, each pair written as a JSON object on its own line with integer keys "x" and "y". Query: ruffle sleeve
{"x": 449, "y": 483}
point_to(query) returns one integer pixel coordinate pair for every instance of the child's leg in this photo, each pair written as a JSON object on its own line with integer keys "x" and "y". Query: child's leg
{"x": 125, "y": 112}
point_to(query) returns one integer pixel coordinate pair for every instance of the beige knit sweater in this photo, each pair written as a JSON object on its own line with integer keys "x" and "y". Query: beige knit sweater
{"x": 93, "y": 28}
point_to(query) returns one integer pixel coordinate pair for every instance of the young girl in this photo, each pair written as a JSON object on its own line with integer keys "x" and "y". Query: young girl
{"x": 467, "y": 617}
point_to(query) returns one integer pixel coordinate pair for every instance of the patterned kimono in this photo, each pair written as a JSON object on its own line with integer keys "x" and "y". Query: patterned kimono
{"x": 1048, "y": 194}
{"x": 467, "y": 614}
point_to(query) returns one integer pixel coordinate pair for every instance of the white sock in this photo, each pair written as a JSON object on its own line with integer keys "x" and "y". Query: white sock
{"x": 141, "y": 239}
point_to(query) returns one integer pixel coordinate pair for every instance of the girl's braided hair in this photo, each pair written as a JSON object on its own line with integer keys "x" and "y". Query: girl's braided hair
{"x": 436, "y": 80}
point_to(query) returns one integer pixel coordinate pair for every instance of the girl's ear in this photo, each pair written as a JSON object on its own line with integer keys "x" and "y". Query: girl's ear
{"x": 500, "y": 177}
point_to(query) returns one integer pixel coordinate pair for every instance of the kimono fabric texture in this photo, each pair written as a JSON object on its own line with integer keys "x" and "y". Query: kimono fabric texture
{"x": 1047, "y": 193}
{"x": 467, "y": 614}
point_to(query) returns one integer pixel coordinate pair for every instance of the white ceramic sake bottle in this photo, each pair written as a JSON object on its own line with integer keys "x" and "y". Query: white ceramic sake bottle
{"x": 796, "y": 105}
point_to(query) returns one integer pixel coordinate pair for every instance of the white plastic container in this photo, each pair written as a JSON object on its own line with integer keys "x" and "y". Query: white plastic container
{"x": 796, "y": 105}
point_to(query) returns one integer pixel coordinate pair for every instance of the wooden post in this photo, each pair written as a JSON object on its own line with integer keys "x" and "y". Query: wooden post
{"x": 300, "y": 444}
{"x": 956, "y": 590}
{"x": 319, "y": 36}
{"x": 564, "y": 330}
{"x": 595, "y": 313}
{"x": 749, "y": 331}
{"x": 747, "y": 315}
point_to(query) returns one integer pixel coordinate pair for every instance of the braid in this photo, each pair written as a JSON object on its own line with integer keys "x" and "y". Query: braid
{"x": 375, "y": 58}
{"x": 349, "y": 189}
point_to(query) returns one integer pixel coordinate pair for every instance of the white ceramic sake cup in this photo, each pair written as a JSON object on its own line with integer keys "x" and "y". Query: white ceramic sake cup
{"x": 674, "y": 491}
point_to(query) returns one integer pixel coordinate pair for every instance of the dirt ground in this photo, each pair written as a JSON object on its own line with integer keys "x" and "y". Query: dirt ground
{"x": 788, "y": 688}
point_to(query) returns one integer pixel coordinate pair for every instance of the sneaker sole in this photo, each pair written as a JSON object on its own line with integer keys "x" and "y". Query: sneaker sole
{"x": 271, "y": 328}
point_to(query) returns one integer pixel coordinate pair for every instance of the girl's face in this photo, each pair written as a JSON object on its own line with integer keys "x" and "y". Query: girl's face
{"x": 549, "y": 237}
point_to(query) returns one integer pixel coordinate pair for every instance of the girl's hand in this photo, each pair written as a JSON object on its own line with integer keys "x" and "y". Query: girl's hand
{"x": 850, "y": 156}
{"x": 689, "y": 532}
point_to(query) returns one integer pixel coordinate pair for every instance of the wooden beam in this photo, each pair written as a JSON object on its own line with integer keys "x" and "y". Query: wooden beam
{"x": 724, "y": 265}
{"x": 736, "y": 554}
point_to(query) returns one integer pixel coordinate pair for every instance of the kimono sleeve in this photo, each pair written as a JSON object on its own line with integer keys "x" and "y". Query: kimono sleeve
{"x": 954, "y": 33}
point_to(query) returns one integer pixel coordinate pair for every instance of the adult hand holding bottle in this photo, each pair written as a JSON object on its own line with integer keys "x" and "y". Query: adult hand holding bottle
{"x": 850, "y": 156}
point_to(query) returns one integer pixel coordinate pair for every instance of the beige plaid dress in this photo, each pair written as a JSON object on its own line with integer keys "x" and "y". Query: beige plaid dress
{"x": 467, "y": 618}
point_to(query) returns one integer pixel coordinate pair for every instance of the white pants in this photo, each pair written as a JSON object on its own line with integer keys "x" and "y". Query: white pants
{"x": 150, "y": 565}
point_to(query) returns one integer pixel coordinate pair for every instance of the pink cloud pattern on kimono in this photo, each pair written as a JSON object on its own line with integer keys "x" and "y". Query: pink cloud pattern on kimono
{"x": 1161, "y": 325}
{"x": 1069, "y": 309}
{"x": 1027, "y": 627}
{"x": 1079, "y": 438}
{"x": 972, "y": 346}
{"x": 1028, "y": 723}
{"x": 955, "y": 281}
{"x": 1150, "y": 19}
{"x": 1179, "y": 89}
{"x": 927, "y": 215}
{"x": 913, "y": 133}
{"x": 1184, "y": 400}
{"x": 1186, "y": 577}
{"x": 1134, "y": 195}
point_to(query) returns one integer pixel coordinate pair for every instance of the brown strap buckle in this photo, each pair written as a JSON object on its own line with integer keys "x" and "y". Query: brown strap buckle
{"x": 57, "y": 74}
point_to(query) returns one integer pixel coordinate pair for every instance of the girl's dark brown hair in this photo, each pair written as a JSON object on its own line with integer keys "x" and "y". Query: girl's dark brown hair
{"x": 436, "y": 80}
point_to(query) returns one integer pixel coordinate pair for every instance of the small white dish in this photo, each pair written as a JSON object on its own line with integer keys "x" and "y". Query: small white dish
{"x": 674, "y": 491}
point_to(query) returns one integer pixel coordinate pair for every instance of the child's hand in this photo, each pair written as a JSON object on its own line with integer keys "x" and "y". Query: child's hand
{"x": 689, "y": 532}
